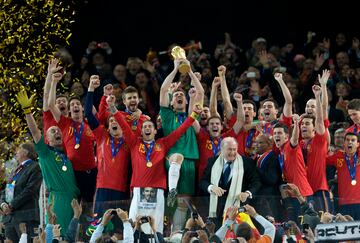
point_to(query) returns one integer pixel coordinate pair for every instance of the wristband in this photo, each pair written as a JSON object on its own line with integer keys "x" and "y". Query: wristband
{"x": 194, "y": 115}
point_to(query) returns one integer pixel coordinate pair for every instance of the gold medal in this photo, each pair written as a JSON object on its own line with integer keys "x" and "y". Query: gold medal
{"x": 58, "y": 158}
{"x": 64, "y": 168}
{"x": 148, "y": 164}
{"x": 134, "y": 127}
{"x": 77, "y": 146}
{"x": 353, "y": 182}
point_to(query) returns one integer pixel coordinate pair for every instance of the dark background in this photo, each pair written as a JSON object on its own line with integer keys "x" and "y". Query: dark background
{"x": 131, "y": 27}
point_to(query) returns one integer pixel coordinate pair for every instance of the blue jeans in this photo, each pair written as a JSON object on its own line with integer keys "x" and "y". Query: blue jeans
{"x": 321, "y": 201}
{"x": 350, "y": 209}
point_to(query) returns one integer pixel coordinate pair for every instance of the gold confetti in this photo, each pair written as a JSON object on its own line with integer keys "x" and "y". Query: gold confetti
{"x": 30, "y": 31}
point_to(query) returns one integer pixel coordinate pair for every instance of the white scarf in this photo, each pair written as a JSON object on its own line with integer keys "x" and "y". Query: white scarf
{"x": 235, "y": 187}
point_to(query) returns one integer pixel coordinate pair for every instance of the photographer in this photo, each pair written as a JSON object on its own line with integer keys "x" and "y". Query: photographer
{"x": 195, "y": 227}
{"x": 244, "y": 230}
{"x": 108, "y": 215}
{"x": 145, "y": 230}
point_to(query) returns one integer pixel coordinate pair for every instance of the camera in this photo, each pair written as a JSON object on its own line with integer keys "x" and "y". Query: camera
{"x": 250, "y": 74}
{"x": 241, "y": 210}
{"x": 144, "y": 219}
{"x": 286, "y": 225}
{"x": 284, "y": 187}
{"x": 195, "y": 215}
{"x": 193, "y": 234}
{"x": 304, "y": 227}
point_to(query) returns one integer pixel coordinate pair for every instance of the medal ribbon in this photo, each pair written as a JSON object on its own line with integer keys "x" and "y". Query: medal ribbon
{"x": 181, "y": 118}
{"x": 249, "y": 138}
{"x": 59, "y": 154}
{"x": 78, "y": 134}
{"x": 115, "y": 150}
{"x": 148, "y": 150}
{"x": 281, "y": 161}
{"x": 215, "y": 149}
{"x": 352, "y": 170}
{"x": 135, "y": 122}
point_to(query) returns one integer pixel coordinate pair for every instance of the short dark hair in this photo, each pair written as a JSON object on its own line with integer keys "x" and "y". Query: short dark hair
{"x": 354, "y": 104}
{"x": 250, "y": 102}
{"x": 273, "y": 101}
{"x": 61, "y": 96}
{"x": 244, "y": 230}
{"x": 213, "y": 117}
{"x": 30, "y": 147}
{"x": 148, "y": 121}
{"x": 312, "y": 117}
{"x": 280, "y": 125}
{"x": 128, "y": 90}
{"x": 352, "y": 134}
{"x": 75, "y": 97}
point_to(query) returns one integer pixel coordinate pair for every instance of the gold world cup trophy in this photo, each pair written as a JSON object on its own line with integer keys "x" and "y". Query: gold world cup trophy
{"x": 177, "y": 52}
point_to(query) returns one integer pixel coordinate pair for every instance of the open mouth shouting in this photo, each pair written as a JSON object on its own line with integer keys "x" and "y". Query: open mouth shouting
{"x": 57, "y": 138}
{"x": 267, "y": 114}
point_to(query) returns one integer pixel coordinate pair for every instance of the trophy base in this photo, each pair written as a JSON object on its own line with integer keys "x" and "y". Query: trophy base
{"x": 184, "y": 68}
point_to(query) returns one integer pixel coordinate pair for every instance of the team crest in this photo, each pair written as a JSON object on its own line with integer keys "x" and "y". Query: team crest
{"x": 142, "y": 148}
{"x": 208, "y": 145}
{"x": 157, "y": 147}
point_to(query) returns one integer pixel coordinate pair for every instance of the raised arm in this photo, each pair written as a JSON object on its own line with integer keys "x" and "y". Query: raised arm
{"x": 195, "y": 81}
{"x": 294, "y": 140}
{"x": 213, "y": 97}
{"x": 192, "y": 103}
{"x": 319, "y": 118}
{"x": 52, "y": 68}
{"x": 94, "y": 83}
{"x": 103, "y": 113}
{"x": 240, "y": 114}
{"x": 164, "y": 98}
{"x": 228, "y": 109}
{"x": 287, "y": 110}
{"x": 324, "y": 96}
{"x": 55, "y": 78}
{"x": 26, "y": 105}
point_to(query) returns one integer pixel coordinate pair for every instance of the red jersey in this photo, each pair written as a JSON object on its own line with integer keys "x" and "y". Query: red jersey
{"x": 48, "y": 120}
{"x": 314, "y": 153}
{"x": 83, "y": 158}
{"x": 113, "y": 172}
{"x": 354, "y": 129}
{"x": 294, "y": 168}
{"x": 155, "y": 175}
{"x": 245, "y": 141}
{"x": 103, "y": 115}
{"x": 268, "y": 128}
{"x": 208, "y": 147}
{"x": 348, "y": 193}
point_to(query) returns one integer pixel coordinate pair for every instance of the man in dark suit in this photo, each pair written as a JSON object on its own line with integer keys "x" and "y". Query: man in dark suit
{"x": 20, "y": 201}
{"x": 229, "y": 178}
{"x": 268, "y": 197}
